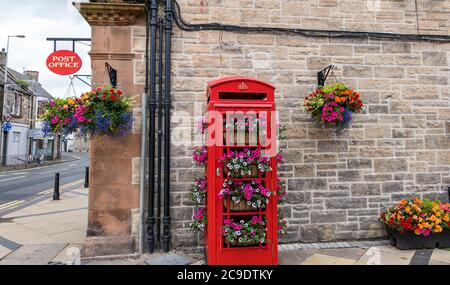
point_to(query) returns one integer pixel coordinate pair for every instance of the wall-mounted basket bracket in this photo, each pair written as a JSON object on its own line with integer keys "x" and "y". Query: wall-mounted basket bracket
{"x": 323, "y": 75}
{"x": 112, "y": 75}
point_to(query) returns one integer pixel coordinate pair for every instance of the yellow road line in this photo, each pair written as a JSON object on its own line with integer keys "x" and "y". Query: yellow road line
{"x": 11, "y": 204}
{"x": 62, "y": 187}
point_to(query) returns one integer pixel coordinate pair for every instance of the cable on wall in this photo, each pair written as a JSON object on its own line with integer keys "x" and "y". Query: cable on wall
{"x": 184, "y": 25}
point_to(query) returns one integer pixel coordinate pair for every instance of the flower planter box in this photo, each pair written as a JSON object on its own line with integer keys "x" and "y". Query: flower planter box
{"x": 236, "y": 174}
{"x": 242, "y": 206}
{"x": 409, "y": 240}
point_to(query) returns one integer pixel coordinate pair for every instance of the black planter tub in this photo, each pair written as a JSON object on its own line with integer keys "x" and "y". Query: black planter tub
{"x": 409, "y": 240}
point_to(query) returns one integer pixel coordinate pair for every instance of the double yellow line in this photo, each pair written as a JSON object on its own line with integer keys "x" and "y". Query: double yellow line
{"x": 16, "y": 203}
{"x": 11, "y": 204}
{"x": 50, "y": 191}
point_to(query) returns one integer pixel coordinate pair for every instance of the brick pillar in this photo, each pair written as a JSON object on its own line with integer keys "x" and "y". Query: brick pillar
{"x": 114, "y": 192}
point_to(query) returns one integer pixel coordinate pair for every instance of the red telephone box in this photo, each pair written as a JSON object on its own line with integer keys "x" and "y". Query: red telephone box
{"x": 242, "y": 173}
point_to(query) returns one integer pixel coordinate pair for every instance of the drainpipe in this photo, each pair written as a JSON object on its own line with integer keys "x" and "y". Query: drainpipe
{"x": 144, "y": 140}
{"x": 167, "y": 106}
{"x": 152, "y": 105}
{"x": 160, "y": 133}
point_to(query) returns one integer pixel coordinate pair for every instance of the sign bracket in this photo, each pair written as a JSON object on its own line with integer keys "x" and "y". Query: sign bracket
{"x": 73, "y": 40}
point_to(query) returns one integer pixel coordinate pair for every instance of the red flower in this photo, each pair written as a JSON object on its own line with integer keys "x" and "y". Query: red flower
{"x": 113, "y": 98}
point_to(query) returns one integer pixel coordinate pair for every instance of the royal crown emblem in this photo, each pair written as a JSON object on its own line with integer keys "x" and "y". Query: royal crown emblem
{"x": 243, "y": 86}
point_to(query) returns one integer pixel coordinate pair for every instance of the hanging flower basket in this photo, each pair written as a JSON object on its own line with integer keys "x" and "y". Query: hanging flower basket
{"x": 334, "y": 106}
{"x": 101, "y": 112}
{"x": 417, "y": 224}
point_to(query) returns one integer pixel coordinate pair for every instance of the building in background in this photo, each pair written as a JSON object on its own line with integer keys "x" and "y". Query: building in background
{"x": 41, "y": 144}
{"x": 75, "y": 142}
{"x": 21, "y": 101}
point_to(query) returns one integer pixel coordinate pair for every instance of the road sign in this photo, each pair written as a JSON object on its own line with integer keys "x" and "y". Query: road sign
{"x": 7, "y": 127}
{"x": 64, "y": 62}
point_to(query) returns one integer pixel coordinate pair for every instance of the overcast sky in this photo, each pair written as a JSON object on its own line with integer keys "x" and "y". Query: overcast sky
{"x": 38, "y": 20}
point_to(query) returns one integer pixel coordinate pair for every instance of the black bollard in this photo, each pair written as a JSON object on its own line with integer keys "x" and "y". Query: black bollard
{"x": 86, "y": 178}
{"x": 56, "y": 190}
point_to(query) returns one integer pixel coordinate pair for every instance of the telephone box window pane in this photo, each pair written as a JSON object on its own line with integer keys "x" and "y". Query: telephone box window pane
{"x": 242, "y": 96}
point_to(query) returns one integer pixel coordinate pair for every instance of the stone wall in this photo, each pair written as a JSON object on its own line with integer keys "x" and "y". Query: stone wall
{"x": 398, "y": 147}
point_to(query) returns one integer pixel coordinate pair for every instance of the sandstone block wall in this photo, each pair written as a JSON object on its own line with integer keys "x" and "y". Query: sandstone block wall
{"x": 398, "y": 148}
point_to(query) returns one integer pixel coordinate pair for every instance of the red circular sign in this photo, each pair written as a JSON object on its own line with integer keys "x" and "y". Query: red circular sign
{"x": 64, "y": 62}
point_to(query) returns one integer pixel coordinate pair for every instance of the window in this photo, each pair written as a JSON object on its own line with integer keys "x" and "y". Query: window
{"x": 15, "y": 104}
{"x": 40, "y": 108}
{"x": 16, "y": 136}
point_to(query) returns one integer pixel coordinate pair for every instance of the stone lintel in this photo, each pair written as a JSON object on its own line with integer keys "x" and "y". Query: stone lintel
{"x": 111, "y": 56}
{"x": 110, "y": 14}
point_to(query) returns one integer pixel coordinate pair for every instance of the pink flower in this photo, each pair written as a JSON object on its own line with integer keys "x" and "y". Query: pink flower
{"x": 55, "y": 120}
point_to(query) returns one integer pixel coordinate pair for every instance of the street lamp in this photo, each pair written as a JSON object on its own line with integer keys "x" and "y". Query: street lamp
{"x": 4, "y": 91}
{"x": 7, "y": 55}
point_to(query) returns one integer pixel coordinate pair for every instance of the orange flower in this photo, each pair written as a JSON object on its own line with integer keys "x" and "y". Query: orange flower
{"x": 438, "y": 229}
{"x": 418, "y": 201}
{"x": 446, "y": 218}
{"x": 404, "y": 202}
{"x": 337, "y": 99}
{"x": 408, "y": 210}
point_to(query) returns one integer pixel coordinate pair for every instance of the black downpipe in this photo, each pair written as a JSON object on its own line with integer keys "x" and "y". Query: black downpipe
{"x": 160, "y": 133}
{"x": 152, "y": 106}
{"x": 167, "y": 106}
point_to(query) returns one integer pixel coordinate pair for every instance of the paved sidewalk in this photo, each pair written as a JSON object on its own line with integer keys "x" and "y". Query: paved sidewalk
{"x": 374, "y": 255}
{"x": 52, "y": 232}
{"x": 43, "y": 232}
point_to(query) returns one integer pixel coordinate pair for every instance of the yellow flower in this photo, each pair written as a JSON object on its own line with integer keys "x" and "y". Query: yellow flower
{"x": 446, "y": 218}
{"x": 438, "y": 214}
{"x": 436, "y": 207}
{"x": 408, "y": 210}
{"x": 438, "y": 229}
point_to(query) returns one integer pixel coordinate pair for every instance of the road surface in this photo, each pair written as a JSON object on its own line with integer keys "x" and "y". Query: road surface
{"x": 21, "y": 187}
